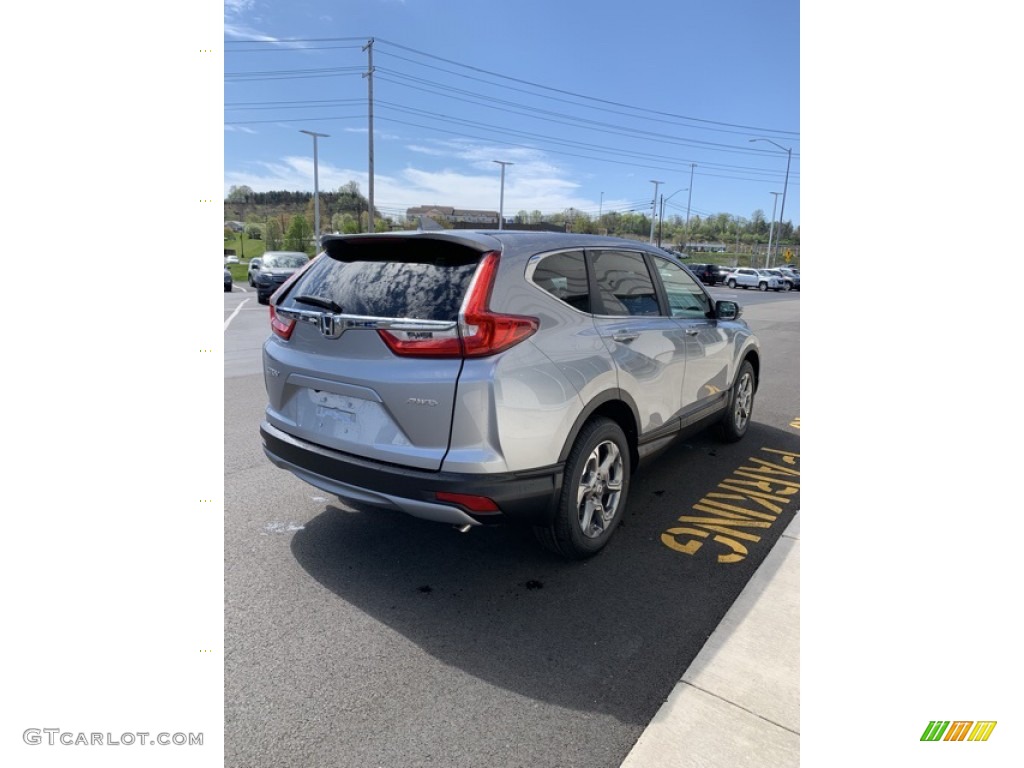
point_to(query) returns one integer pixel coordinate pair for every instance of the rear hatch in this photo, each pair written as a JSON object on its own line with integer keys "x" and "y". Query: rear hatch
{"x": 367, "y": 349}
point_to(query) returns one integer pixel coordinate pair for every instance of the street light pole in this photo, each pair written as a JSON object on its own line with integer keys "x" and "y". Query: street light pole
{"x": 654, "y": 207}
{"x": 501, "y": 202}
{"x": 785, "y": 184}
{"x": 661, "y": 218}
{"x": 316, "y": 185}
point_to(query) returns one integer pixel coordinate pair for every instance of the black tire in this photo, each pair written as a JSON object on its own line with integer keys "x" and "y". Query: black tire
{"x": 229, "y": 288}
{"x": 731, "y": 284}
{"x": 762, "y": 286}
{"x": 737, "y": 416}
{"x": 594, "y": 492}
{"x": 262, "y": 299}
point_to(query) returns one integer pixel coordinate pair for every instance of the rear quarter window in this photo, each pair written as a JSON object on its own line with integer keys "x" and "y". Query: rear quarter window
{"x": 564, "y": 276}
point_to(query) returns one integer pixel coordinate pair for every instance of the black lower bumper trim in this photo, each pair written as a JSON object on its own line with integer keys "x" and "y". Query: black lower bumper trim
{"x": 523, "y": 497}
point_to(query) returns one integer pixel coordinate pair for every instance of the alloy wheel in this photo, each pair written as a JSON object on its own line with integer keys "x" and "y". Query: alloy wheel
{"x": 743, "y": 404}
{"x": 600, "y": 488}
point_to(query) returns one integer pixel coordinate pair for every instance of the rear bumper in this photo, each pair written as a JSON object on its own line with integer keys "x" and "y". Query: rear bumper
{"x": 523, "y": 497}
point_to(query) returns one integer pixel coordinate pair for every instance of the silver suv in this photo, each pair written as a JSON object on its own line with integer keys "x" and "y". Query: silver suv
{"x": 761, "y": 279}
{"x": 486, "y": 377}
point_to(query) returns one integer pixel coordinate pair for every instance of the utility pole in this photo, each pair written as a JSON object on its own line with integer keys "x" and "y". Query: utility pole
{"x": 688, "y": 198}
{"x": 661, "y": 218}
{"x": 369, "y": 77}
{"x": 785, "y": 184}
{"x": 771, "y": 229}
{"x": 654, "y": 207}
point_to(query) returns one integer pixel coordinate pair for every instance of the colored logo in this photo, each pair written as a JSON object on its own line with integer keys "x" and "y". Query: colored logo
{"x": 958, "y": 730}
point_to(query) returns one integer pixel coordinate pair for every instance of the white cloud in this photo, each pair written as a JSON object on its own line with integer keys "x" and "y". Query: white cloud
{"x": 471, "y": 180}
{"x": 237, "y": 7}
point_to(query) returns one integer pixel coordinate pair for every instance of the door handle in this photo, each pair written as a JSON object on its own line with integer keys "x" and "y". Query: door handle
{"x": 624, "y": 337}
{"x": 692, "y": 331}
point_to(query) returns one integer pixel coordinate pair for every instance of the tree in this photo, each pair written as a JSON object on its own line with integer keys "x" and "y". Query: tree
{"x": 242, "y": 194}
{"x": 758, "y": 222}
{"x": 300, "y": 232}
{"x": 253, "y": 228}
{"x": 274, "y": 239}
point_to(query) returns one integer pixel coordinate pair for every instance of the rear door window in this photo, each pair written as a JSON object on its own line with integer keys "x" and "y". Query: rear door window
{"x": 624, "y": 284}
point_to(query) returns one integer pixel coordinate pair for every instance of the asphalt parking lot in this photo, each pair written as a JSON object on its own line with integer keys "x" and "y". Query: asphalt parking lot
{"x": 358, "y": 637}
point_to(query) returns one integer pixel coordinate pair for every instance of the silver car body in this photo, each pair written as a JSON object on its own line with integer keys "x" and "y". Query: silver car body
{"x": 350, "y": 415}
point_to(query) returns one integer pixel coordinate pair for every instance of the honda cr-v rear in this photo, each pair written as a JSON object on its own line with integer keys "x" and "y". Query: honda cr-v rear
{"x": 486, "y": 377}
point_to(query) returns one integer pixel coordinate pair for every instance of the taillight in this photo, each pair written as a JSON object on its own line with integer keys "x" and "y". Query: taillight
{"x": 280, "y": 326}
{"x": 481, "y": 505}
{"x": 480, "y": 332}
{"x": 484, "y": 332}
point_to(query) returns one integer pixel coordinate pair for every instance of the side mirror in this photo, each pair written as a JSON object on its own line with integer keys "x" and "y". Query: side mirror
{"x": 254, "y": 264}
{"x": 728, "y": 310}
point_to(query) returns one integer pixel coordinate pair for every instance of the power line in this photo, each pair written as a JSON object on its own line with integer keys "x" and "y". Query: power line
{"x": 701, "y": 122}
{"x": 582, "y": 96}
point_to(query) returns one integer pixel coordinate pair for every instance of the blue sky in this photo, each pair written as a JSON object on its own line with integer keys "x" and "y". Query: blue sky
{"x": 589, "y": 102}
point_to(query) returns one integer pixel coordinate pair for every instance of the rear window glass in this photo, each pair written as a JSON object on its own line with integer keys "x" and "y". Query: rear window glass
{"x": 393, "y": 281}
{"x": 284, "y": 260}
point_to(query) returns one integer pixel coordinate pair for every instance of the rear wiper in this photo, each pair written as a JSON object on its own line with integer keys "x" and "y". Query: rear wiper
{"x": 316, "y": 301}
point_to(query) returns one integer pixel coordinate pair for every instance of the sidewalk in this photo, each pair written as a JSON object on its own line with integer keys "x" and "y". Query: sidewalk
{"x": 738, "y": 704}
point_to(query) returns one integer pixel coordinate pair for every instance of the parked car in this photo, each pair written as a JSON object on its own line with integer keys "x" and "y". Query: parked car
{"x": 701, "y": 271}
{"x": 228, "y": 283}
{"x": 709, "y": 274}
{"x": 789, "y": 280}
{"x": 761, "y": 279}
{"x": 473, "y": 378}
{"x": 231, "y": 259}
{"x": 254, "y": 267}
{"x": 267, "y": 274}
{"x": 791, "y": 276}
{"x": 717, "y": 274}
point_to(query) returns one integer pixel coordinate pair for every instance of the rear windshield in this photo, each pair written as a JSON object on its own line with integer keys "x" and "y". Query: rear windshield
{"x": 399, "y": 279}
{"x": 285, "y": 260}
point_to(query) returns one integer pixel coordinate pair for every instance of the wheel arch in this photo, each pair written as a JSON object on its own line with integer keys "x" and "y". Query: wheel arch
{"x": 754, "y": 358}
{"x": 613, "y": 404}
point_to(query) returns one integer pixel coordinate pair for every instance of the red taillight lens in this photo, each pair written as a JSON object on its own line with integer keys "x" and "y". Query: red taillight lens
{"x": 484, "y": 332}
{"x": 280, "y": 326}
{"x": 480, "y": 333}
{"x": 479, "y": 504}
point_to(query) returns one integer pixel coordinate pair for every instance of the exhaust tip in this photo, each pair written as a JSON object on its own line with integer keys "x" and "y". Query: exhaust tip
{"x": 463, "y": 528}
